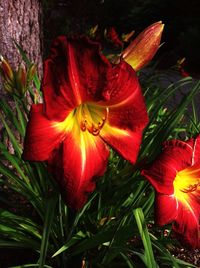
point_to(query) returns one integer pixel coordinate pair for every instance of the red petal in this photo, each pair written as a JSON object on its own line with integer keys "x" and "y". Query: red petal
{"x": 74, "y": 73}
{"x": 186, "y": 226}
{"x": 41, "y": 136}
{"x": 125, "y": 100}
{"x": 176, "y": 156}
{"x": 125, "y": 142}
{"x": 195, "y": 144}
{"x": 165, "y": 209}
{"x": 56, "y": 107}
{"x": 84, "y": 157}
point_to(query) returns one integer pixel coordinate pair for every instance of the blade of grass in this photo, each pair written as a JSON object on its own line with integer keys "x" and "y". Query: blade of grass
{"x": 10, "y": 115}
{"x": 22, "y": 223}
{"x": 153, "y": 141}
{"x": 15, "y": 163}
{"x": 144, "y": 234}
{"x": 49, "y": 216}
{"x": 16, "y": 145}
{"x": 17, "y": 235}
{"x": 21, "y": 187}
{"x": 128, "y": 260}
{"x": 31, "y": 265}
{"x": 21, "y": 118}
{"x": 80, "y": 235}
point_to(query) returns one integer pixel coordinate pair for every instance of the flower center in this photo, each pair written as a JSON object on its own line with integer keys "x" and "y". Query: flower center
{"x": 187, "y": 181}
{"x": 91, "y": 117}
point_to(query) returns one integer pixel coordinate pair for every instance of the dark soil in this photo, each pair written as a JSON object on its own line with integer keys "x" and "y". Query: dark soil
{"x": 191, "y": 256}
{"x": 14, "y": 257}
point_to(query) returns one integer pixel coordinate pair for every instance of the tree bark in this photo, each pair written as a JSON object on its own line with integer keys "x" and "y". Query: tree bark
{"x": 20, "y": 20}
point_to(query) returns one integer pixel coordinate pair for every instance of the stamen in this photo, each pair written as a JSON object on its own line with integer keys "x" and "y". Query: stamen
{"x": 191, "y": 188}
{"x": 92, "y": 118}
{"x": 83, "y": 125}
{"x": 187, "y": 183}
{"x": 93, "y": 130}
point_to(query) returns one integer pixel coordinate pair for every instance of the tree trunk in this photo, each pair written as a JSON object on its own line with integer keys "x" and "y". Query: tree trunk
{"x": 20, "y": 20}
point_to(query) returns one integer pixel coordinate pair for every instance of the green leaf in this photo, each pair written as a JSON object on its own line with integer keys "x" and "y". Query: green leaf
{"x": 49, "y": 216}
{"x": 144, "y": 234}
{"x": 80, "y": 235}
{"x": 101, "y": 238}
{"x": 22, "y": 119}
{"x": 11, "y": 134}
{"x": 23, "y": 222}
{"x": 127, "y": 260}
{"x": 10, "y": 115}
{"x": 31, "y": 265}
{"x": 17, "y": 235}
{"x": 15, "y": 162}
{"x": 21, "y": 187}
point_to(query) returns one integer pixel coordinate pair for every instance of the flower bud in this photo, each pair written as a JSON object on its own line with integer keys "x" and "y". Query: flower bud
{"x": 142, "y": 49}
{"x": 6, "y": 69}
{"x": 30, "y": 74}
{"x": 16, "y": 82}
{"x": 93, "y": 31}
{"x": 20, "y": 79}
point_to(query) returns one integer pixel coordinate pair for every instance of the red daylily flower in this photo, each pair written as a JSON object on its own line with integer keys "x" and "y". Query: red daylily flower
{"x": 88, "y": 104}
{"x": 175, "y": 175}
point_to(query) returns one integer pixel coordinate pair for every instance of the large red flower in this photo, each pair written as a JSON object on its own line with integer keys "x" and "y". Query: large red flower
{"x": 88, "y": 104}
{"x": 175, "y": 175}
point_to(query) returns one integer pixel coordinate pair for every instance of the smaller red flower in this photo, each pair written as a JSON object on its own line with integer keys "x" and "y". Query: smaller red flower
{"x": 175, "y": 175}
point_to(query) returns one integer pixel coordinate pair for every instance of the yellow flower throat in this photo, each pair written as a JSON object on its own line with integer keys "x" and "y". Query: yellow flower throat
{"x": 187, "y": 182}
{"x": 91, "y": 118}
{"x": 87, "y": 117}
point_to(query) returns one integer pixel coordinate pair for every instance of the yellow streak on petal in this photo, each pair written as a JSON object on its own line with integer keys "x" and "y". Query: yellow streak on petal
{"x": 85, "y": 142}
{"x": 67, "y": 124}
{"x": 83, "y": 153}
{"x": 113, "y": 131}
{"x": 82, "y": 139}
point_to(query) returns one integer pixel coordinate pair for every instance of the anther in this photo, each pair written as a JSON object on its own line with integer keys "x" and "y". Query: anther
{"x": 191, "y": 188}
{"x": 83, "y": 125}
{"x": 87, "y": 121}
